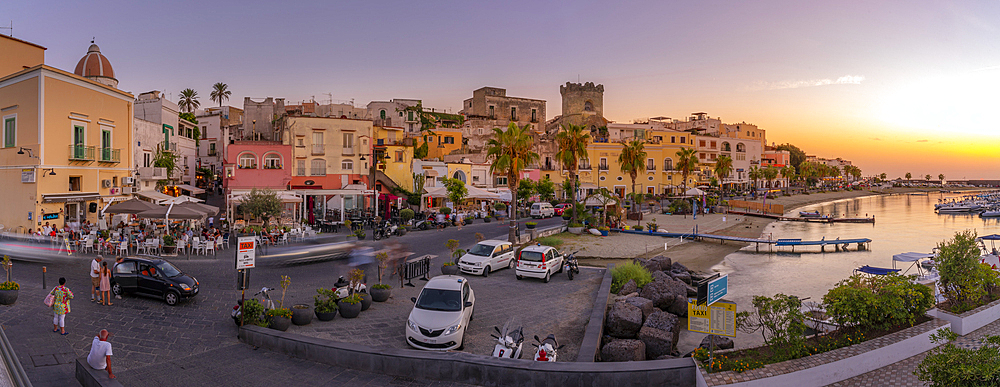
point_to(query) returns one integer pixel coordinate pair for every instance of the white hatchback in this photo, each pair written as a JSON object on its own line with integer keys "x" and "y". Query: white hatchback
{"x": 440, "y": 314}
{"x": 486, "y": 257}
{"x": 538, "y": 262}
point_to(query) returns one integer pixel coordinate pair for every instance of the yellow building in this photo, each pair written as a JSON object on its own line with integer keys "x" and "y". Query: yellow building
{"x": 440, "y": 142}
{"x": 659, "y": 176}
{"x": 63, "y": 136}
{"x": 397, "y": 157}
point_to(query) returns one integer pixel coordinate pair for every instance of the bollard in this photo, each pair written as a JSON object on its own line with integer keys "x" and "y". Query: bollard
{"x": 44, "y": 269}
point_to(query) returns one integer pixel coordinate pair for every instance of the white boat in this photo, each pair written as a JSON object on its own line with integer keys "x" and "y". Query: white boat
{"x": 816, "y": 317}
{"x": 990, "y": 214}
{"x": 959, "y": 209}
{"x": 809, "y": 214}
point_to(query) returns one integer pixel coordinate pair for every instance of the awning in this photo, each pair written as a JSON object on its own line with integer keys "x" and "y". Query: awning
{"x": 430, "y": 173}
{"x": 69, "y": 198}
{"x": 183, "y": 199}
{"x": 285, "y": 196}
{"x": 911, "y": 257}
{"x": 587, "y": 186}
{"x": 156, "y": 196}
{"x": 193, "y": 190}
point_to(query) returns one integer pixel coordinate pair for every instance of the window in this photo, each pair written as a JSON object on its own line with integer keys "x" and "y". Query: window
{"x": 300, "y": 166}
{"x": 381, "y": 114}
{"x": 348, "y": 140}
{"x": 683, "y": 140}
{"x": 651, "y": 191}
{"x": 125, "y": 268}
{"x": 301, "y": 142}
{"x": 701, "y": 143}
{"x": 725, "y": 147}
{"x": 211, "y": 149}
{"x": 713, "y": 144}
{"x": 204, "y": 132}
{"x": 317, "y": 167}
{"x": 248, "y": 161}
{"x": 318, "y": 143}
{"x": 491, "y": 112}
{"x": 272, "y": 161}
{"x": 399, "y": 156}
{"x": 347, "y": 165}
{"x": 146, "y": 159}
{"x": 106, "y": 145}
{"x": 513, "y": 113}
{"x": 604, "y": 164}
{"x": 712, "y": 156}
{"x": 449, "y": 140}
{"x": 668, "y": 164}
{"x": 75, "y": 183}
{"x": 701, "y": 155}
{"x": 409, "y": 116}
{"x": 588, "y": 106}
{"x": 501, "y": 180}
{"x": 650, "y": 165}
{"x": 673, "y": 139}
{"x": 533, "y": 116}
{"x": 740, "y": 147}
{"x": 9, "y": 131}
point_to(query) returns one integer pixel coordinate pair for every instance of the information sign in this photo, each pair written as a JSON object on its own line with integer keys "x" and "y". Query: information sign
{"x": 716, "y": 319}
{"x": 247, "y": 253}
{"x": 713, "y": 289}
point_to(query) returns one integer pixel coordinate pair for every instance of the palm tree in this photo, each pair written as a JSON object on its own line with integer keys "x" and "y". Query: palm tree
{"x": 687, "y": 160}
{"x": 941, "y": 177}
{"x": 631, "y": 161}
{"x": 909, "y": 175}
{"x": 769, "y": 173}
{"x": 723, "y": 166}
{"x": 927, "y": 176}
{"x": 220, "y": 92}
{"x": 189, "y": 100}
{"x": 511, "y": 152}
{"x": 788, "y": 172}
{"x": 573, "y": 141}
{"x": 755, "y": 174}
{"x": 882, "y": 176}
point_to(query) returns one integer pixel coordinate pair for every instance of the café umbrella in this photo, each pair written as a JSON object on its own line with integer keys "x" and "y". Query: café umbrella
{"x": 132, "y": 206}
{"x": 171, "y": 212}
{"x": 200, "y": 207}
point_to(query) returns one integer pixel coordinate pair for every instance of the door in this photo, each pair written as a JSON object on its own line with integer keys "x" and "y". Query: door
{"x": 554, "y": 260}
{"x": 79, "y": 149}
{"x": 149, "y": 280}
{"x": 72, "y": 212}
{"x": 106, "y": 145}
{"x": 125, "y": 275}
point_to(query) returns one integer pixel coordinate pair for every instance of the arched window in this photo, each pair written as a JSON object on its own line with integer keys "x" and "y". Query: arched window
{"x": 588, "y": 106}
{"x": 248, "y": 161}
{"x": 381, "y": 114}
{"x": 460, "y": 175}
{"x": 668, "y": 164}
{"x": 725, "y": 147}
{"x": 272, "y": 161}
{"x": 740, "y": 147}
{"x": 347, "y": 165}
{"x": 317, "y": 167}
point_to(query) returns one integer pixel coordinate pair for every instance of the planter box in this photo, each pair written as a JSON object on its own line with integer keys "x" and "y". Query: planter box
{"x": 833, "y": 366}
{"x": 967, "y": 322}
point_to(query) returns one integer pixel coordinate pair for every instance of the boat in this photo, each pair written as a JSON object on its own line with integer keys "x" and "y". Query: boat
{"x": 816, "y": 317}
{"x": 994, "y": 213}
{"x": 810, "y": 214}
{"x": 991, "y": 256}
{"x": 922, "y": 264}
{"x": 959, "y": 209}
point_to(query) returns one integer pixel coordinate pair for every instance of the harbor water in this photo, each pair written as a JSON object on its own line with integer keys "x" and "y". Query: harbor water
{"x": 903, "y": 223}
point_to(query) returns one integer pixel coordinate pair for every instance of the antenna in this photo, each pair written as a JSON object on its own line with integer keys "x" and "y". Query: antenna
{"x": 329, "y": 98}
{"x": 11, "y": 28}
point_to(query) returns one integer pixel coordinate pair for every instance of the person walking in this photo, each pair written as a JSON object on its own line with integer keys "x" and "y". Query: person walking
{"x": 95, "y": 277}
{"x": 60, "y": 306}
{"x": 105, "y": 284}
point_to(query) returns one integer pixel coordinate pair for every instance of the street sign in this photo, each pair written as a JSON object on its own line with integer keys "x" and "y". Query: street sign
{"x": 247, "y": 253}
{"x": 716, "y": 319}
{"x": 713, "y": 289}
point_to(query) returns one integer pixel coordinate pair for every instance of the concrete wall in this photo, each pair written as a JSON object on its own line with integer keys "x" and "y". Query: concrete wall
{"x": 970, "y": 321}
{"x": 469, "y": 368}
{"x": 18, "y": 55}
{"x": 591, "y": 346}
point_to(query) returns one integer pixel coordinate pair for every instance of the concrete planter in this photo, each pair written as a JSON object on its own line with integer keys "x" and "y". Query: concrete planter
{"x": 575, "y": 230}
{"x": 449, "y": 270}
{"x": 380, "y": 295}
{"x": 967, "y": 322}
{"x": 348, "y": 310}
{"x": 326, "y": 316}
{"x": 301, "y": 314}
{"x": 8, "y": 297}
{"x": 280, "y": 323}
{"x": 366, "y": 301}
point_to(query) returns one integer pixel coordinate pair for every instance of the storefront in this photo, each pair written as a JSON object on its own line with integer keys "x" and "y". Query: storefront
{"x": 333, "y": 205}
{"x": 68, "y": 209}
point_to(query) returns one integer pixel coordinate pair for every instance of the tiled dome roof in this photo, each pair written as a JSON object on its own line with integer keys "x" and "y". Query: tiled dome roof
{"x": 94, "y": 64}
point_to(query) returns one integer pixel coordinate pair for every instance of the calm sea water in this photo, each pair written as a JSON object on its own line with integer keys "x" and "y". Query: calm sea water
{"x": 904, "y": 223}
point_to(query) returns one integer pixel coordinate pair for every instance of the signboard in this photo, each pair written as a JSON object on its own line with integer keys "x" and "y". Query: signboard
{"x": 28, "y": 175}
{"x": 713, "y": 289}
{"x": 50, "y": 216}
{"x": 247, "y": 253}
{"x": 716, "y": 319}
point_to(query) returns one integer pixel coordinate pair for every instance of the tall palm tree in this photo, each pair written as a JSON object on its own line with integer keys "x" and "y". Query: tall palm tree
{"x": 909, "y": 175}
{"x": 723, "y": 167}
{"x": 189, "y": 100}
{"x": 687, "y": 161}
{"x": 220, "y": 93}
{"x": 631, "y": 160}
{"x": 755, "y": 174}
{"x": 941, "y": 176}
{"x": 573, "y": 141}
{"x": 770, "y": 173}
{"x": 882, "y": 176}
{"x": 511, "y": 152}
{"x": 927, "y": 176}
{"x": 788, "y": 172}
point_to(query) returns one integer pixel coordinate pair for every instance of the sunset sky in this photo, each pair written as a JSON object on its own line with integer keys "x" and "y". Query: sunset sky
{"x": 896, "y": 87}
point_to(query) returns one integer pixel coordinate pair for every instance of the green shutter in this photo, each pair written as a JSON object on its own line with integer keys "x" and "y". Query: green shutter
{"x": 9, "y": 130}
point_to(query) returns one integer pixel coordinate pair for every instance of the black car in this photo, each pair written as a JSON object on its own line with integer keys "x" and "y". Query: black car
{"x": 152, "y": 277}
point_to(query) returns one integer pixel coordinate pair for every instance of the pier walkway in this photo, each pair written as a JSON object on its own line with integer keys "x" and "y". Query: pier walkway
{"x": 802, "y": 219}
{"x": 839, "y": 244}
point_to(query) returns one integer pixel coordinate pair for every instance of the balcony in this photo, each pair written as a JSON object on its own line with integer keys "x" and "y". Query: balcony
{"x": 111, "y": 155}
{"x": 650, "y": 168}
{"x": 152, "y": 173}
{"x": 212, "y": 153}
{"x": 602, "y": 167}
{"x": 168, "y": 146}
{"x": 318, "y": 150}
{"x": 668, "y": 168}
{"x": 81, "y": 153}
{"x": 347, "y": 152}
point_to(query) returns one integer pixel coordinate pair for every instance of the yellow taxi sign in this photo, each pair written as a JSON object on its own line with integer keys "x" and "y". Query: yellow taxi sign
{"x": 718, "y": 318}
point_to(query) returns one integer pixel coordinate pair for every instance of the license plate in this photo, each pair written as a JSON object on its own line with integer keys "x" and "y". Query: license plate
{"x": 431, "y": 341}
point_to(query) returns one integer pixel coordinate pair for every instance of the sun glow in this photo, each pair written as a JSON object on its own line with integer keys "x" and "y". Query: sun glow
{"x": 964, "y": 103}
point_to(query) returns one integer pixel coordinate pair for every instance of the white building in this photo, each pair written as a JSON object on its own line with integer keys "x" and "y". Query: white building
{"x": 157, "y": 127}
{"x": 217, "y": 125}
{"x": 745, "y": 154}
{"x": 393, "y": 113}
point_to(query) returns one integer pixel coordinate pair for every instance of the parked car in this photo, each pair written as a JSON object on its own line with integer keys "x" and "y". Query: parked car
{"x": 152, "y": 277}
{"x": 538, "y": 262}
{"x": 542, "y": 210}
{"x": 560, "y": 208}
{"x": 487, "y": 256}
{"x": 441, "y": 314}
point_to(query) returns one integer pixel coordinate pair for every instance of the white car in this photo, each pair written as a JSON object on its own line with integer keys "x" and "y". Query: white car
{"x": 542, "y": 210}
{"x": 486, "y": 257}
{"x": 440, "y": 314}
{"x": 538, "y": 262}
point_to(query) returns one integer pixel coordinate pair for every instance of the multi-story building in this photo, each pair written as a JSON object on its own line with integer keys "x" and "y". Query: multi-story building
{"x": 745, "y": 153}
{"x": 490, "y": 108}
{"x": 441, "y": 142}
{"x": 217, "y": 126}
{"x": 339, "y": 110}
{"x": 159, "y": 129}
{"x": 396, "y": 156}
{"x": 396, "y": 113}
{"x": 64, "y": 134}
{"x": 262, "y": 120}
{"x": 263, "y": 165}
{"x": 745, "y": 131}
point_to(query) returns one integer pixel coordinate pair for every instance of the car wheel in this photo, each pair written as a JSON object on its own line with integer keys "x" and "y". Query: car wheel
{"x": 548, "y": 276}
{"x": 570, "y": 274}
{"x": 519, "y": 277}
{"x": 116, "y": 289}
{"x": 510, "y": 264}
{"x": 171, "y": 298}
{"x": 486, "y": 272}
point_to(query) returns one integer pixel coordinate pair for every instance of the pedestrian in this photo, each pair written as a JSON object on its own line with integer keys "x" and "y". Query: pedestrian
{"x": 95, "y": 277}
{"x": 99, "y": 357}
{"x": 105, "y": 284}
{"x": 60, "y": 306}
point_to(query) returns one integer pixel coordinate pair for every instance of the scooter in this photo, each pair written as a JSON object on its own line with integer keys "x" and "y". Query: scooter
{"x": 381, "y": 231}
{"x": 265, "y": 300}
{"x": 572, "y": 265}
{"x": 509, "y": 341}
{"x": 343, "y": 288}
{"x": 546, "y": 349}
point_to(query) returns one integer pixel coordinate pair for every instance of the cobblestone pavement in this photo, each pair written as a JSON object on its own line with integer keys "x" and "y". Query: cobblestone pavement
{"x": 901, "y": 373}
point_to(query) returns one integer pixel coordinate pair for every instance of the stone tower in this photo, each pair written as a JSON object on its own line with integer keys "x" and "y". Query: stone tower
{"x": 583, "y": 104}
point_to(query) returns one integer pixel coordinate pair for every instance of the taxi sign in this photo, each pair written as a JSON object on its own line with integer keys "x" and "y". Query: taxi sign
{"x": 247, "y": 253}
{"x": 718, "y": 318}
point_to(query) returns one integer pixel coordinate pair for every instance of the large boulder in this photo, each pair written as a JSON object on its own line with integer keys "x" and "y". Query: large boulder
{"x": 721, "y": 342}
{"x": 644, "y": 304}
{"x": 650, "y": 265}
{"x": 665, "y": 262}
{"x": 663, "y": 292}
{"x": 682, "y": 276}
{"x": 677, "y": 266}
{"x": 679, "y": 306}
{"x": 628, "y": 288}
{"x": 665, "y": 322}
{"x": 692, "y": 292}
{"x": 660, "y": 276}
{"x": 658, "y": 342}
{"x": 624, "y": 350}
{"x": 624, "y": 320}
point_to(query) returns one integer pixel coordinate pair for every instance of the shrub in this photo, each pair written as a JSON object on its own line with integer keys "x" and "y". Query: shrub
{"x": 445, "y": 210}
{"x": 325, "y": 301}
{"x": 500, "y": 207}
{"x": 950, "y": 365}
{"x": 9, "y": 285}
{"x": 779, "y": 321}
{"x": 604, "y": 228}
{"x": 406, "y": 214}
{"x": 360, "y": 233}
{"x": 252, "y": 311}
{"x": 877, "y": 302}
{"x": 550, "y": 241}
{"x": 449, "y": 263}
{"x": 352, "y": 299}
{"x": 637, "y": 228}
{"x": 531, "y": 224}
{"x": 621, "y": 274}
{"x": 168, "y": 240}
{"x": 381, "y": 286}
{"x": 576, "y": 224}
{"x": 679, "y": 206}
{"x": 964, "y": 281}
{"x": 652, "y": 226}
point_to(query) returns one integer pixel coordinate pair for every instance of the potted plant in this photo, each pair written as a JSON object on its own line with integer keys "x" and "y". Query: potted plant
{"x": 449, "y": 268}
{"x": 253, "y": 312}
{"x": 279, "y": 318}
{"x": 488, "y": 219}
{"x": 357, "y": 277}
{"x": 169, "y": 244}
{"x": 604, "y": 230}
{"x": 576, "y": 228}
{"x": 301, "y": 314}
{"x": 381, "y": 292}
{"x": 350, "y": 306}
{"x": 531, "y": 225}
{"x": 360, "y": 233}
{"x": 325, "y": 304}
{"x": 8, "y": 289}
{"x": 452, "y": 245}
{"x": 637, "y": 228}
{"x": 652, "y": 227}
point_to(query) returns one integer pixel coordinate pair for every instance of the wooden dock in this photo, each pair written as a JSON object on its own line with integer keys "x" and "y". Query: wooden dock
{"x": 801, "y": 219}
{"x": 838, "y": 244}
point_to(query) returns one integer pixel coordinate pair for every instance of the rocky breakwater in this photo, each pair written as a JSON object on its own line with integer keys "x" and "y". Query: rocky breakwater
{"x": 644, "y": 323}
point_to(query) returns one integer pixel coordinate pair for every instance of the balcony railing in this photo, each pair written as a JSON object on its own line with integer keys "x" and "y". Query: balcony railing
{"x": 81, "y": 152}
{"x": 318, "y": 149}
{"x": 301, "y": 172}
{"x": 212, "y": 153}
{"x": 602, "y": 167}
{"x": 168, "y": 146}
{"x": 347, "y": 151}
{"x": 650, "y": 168}
{"x": 152, "y": 173}
{"x": 585, "y": 167}
{"x": 111, "y": 155}
{"x": 668, "y": 168}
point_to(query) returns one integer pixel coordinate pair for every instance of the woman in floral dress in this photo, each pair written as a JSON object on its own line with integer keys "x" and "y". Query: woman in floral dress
{"x": 61, "y": 306}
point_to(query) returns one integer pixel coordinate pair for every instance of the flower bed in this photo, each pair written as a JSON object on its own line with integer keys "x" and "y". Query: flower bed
{"x": 967, "y": 322}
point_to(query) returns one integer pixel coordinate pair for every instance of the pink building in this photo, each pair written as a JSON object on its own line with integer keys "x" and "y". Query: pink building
{"x": 260, "y": 164}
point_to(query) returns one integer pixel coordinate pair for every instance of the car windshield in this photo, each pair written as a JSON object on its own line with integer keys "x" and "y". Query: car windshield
{"x": 440, "y": 300}
{"x": 167, "y": 269}
{"x": 481, "y": 250}
{"x": 533, "y": 256}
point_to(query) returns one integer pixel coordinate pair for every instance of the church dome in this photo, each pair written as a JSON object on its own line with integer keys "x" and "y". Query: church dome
{"x": 97, "y": 67}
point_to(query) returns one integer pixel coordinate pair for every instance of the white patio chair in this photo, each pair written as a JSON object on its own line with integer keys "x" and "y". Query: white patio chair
{"x": 123, "y": 248}
{"x": 219, "y": 244}
{"x": 180, "y": 247}
{"x": 88, "y": 245}
{"x": 209, "y": 246}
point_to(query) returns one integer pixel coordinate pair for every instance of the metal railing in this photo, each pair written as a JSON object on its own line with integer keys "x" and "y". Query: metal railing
{"x": 602, "y": 167}
{"x": 318, "y": 149}
{"x": 168, "y": 146}
{"x": 415, "y": 268}
{"x": 111, "y": 155}
{"x": 81, "y": 152}
{"x": 347, "y": 151}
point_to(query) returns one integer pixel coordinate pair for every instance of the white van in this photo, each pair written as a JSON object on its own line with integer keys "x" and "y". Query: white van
{"x": 542, "y": 210}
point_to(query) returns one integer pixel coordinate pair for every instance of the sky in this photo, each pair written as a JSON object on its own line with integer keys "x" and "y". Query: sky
{"x": 895, "y": 87}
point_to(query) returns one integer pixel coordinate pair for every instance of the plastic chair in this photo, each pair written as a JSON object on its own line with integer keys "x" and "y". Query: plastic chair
{"x": 123, "y": 247}
{"x": 218, "y": 243}
{"x": 209, "y": 246}
{"x": 180, "y": 247}
{"x": 88, "y": 245}
{"x": 196, "y": 244}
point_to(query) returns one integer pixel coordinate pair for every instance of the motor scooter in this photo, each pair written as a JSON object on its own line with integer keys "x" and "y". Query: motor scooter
{"x": 547, "y": 349}
{"x": 509, "y": 341}
{"x": 343, "y": 288}
{"x": 572, "y": 266}
{"x": 265, "y": 300}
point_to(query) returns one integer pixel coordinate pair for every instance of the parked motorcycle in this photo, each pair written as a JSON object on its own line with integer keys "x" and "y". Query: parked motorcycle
{"x": 265, "y": 300}
{"x": 509, "y": 341}
{"x": 380, "y": 231}
{"x": 547, "y": 349}
{"x": 572, "y": 266}
{"x": 343, "y": 288}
